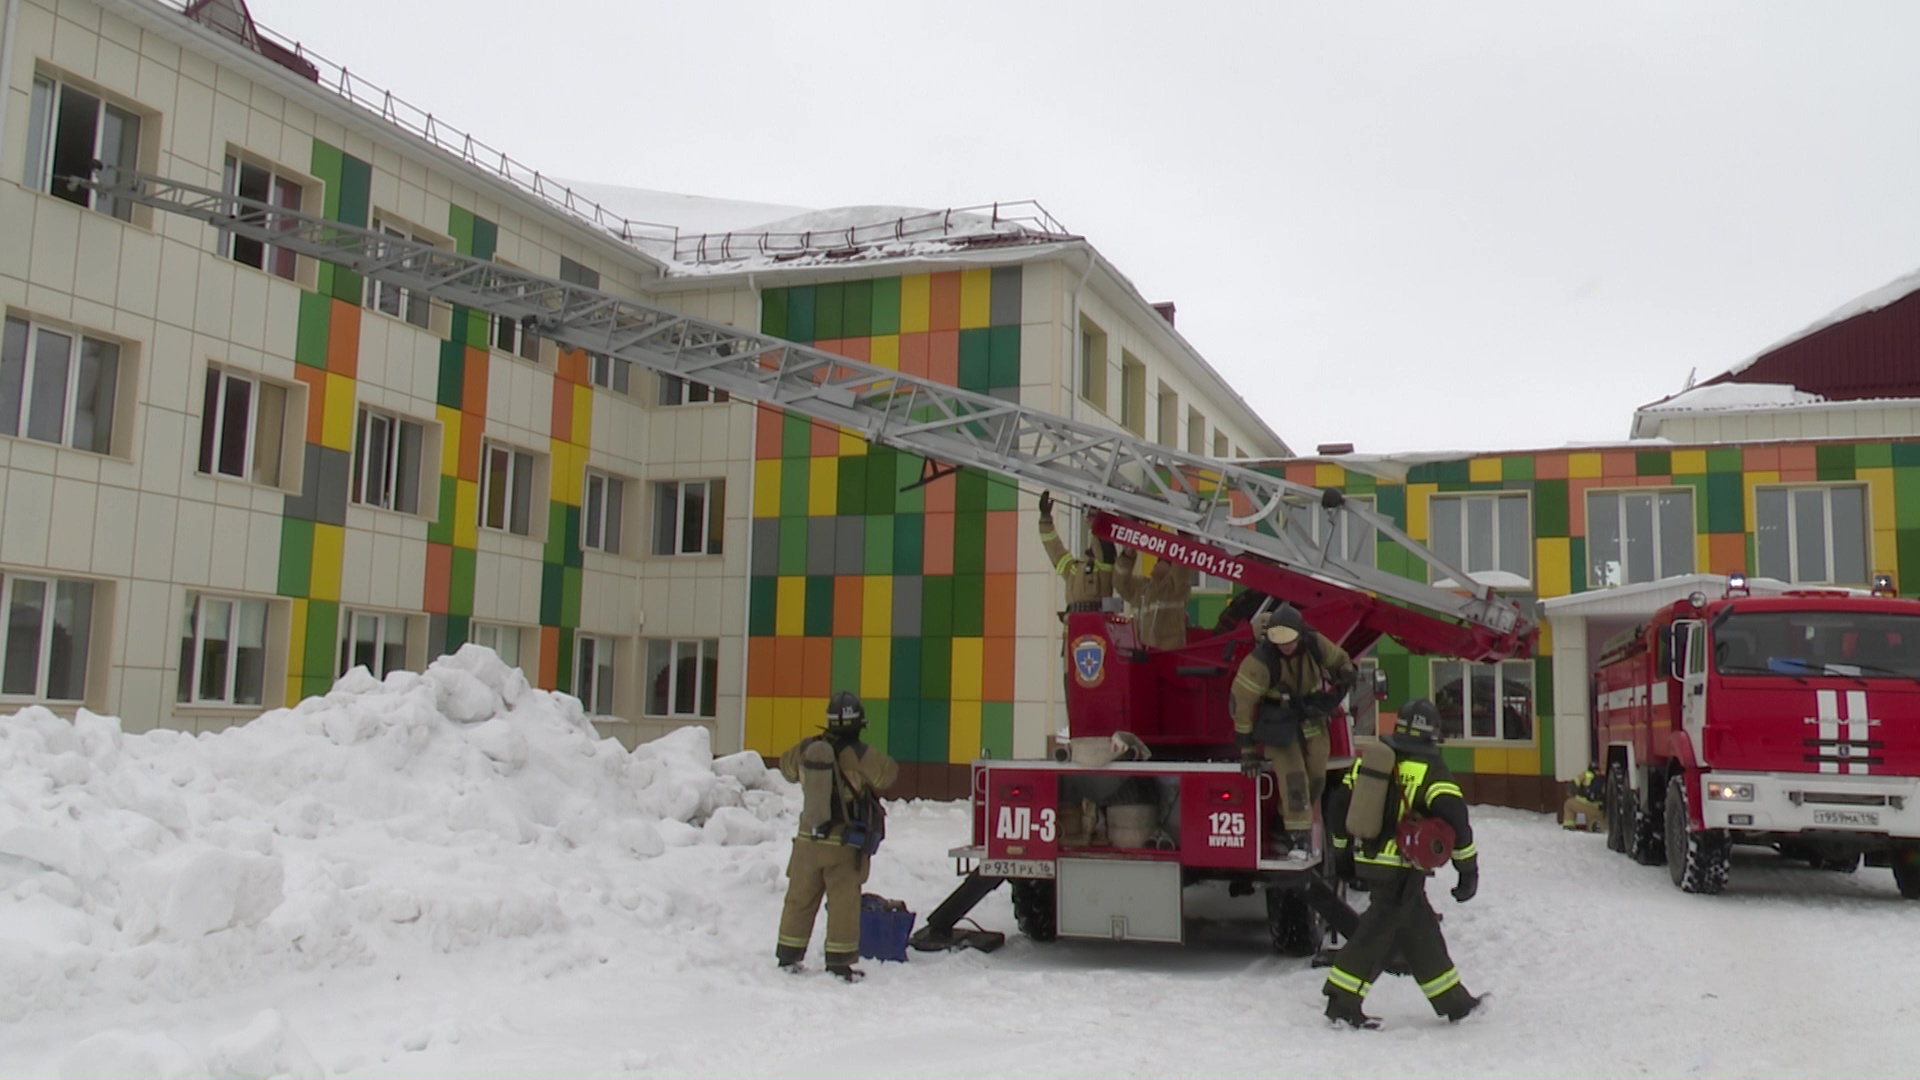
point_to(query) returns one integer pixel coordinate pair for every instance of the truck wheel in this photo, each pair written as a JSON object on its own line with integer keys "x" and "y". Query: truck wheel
{"x": 1034, "y": 907}
{"x": 1697, "y": 861}
{"x": 1297, "y": 929}
{"x": 1906, "y": 872}
{"x": 1646, "y": 836}
{"x": 1617, "y": 810}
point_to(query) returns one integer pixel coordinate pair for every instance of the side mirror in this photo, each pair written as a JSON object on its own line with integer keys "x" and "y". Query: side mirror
{"x": 1379, "y": 685}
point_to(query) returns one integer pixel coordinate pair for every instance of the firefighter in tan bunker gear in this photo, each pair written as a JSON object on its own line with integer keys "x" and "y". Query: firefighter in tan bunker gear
{"x": 837, "y": 773}
{"x": 1090, "y": 579}
{"x": 1158, "y": 599}
{"x": 1282, "y": 699}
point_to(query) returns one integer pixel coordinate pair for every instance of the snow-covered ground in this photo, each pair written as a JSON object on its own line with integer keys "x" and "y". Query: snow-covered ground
{"x": 448, "y": 874}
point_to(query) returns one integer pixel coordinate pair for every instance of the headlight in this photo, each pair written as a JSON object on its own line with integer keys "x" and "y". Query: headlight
{"x": 1729, "y": 792}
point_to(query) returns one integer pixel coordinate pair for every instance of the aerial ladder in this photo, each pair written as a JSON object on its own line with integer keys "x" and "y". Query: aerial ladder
{"x": 1239, "y": 523}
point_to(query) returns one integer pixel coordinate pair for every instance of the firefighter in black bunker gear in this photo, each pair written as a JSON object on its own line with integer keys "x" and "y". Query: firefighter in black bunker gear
{"x": 1398, "y": 918}
{"x": 839, "y": 777}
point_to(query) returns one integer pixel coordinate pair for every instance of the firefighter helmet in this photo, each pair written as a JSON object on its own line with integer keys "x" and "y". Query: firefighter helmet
{"x": 845, "y": 713}
{"x": 1285, "y": 624}
{"x": 1418, "y": 726}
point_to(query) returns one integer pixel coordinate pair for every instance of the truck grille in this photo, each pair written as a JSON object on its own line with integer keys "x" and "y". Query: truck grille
{"x": 1836, "y": 798}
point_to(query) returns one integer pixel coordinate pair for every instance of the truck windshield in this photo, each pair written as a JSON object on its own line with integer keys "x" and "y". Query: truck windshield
{"x": 1803, "y": 643}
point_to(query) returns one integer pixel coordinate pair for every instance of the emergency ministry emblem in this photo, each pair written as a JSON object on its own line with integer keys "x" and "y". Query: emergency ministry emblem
{"x": 1089, "y": 656}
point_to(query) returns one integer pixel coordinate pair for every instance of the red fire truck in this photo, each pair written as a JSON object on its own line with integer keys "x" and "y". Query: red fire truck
{"x": 1790, "y": 721}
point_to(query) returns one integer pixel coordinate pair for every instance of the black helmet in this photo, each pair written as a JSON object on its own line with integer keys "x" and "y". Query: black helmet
{"x": 845, "y": 713}
{"x": 1419, "y": 725}
{"x": 1283, "y": 625}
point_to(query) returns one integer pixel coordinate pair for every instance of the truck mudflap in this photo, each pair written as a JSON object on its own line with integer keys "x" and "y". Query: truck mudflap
{"x": 1810, "y": 802}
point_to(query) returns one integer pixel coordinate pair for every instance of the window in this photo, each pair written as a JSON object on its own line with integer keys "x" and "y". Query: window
{"x": 503, "y": 640}
{"x": 688, "y": 516}
{"x": 1196, "y": 431}
{"x": 574, "y": 273}
{"x": 675, "y": 390}
{"x": 1219, "y": 444}
{"x": 58, "y": 387}
{"x": 510, "y": 335}
{"x": 250, "y": 181}
{"x": 683, "y": 678}
{"x": 242, "y": 427}
{"x": 604, "y": 506}
{"x": 610, "y": 371}
{"x": 386, "y": 462}
{"x": 43, "y": 643}
{"x": 67, "y": 130}
{"x": 1362, "y": 707}
{"x": 1133, "y": 394}
{"x": 1811, "y": 534}
{"x": 1488, "y": 536}
{"x": 506, "y": 489}
{"x": 1167, "y": 424}
{"x": 1354, "y": 540}
{"x": 593, "y": 673}
{"x": 1636, "y": 536}
{"x": 223, "y": 651}
{"x": 395, "y": 300}
{"x": 373, "y": 640}
{"x": 1093, "y": 365}
{"x": 1484, "y": 701}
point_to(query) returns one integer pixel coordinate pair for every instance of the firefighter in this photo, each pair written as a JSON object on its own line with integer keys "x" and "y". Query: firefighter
{"x": 1159, "y": 599}
{"x": 1585, "y": 807}
{"x": 1089, "y": 580}
{"x": 1283, "y": 697}
{"x": 839, "y": 777}
{"x": 1398, "y": 918}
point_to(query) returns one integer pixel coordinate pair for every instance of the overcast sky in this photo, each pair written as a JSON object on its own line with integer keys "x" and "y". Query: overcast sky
{"x": 1410, "y": 226}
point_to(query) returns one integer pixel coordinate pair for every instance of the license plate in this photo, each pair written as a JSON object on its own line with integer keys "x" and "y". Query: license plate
{"x": 1022, "y": 868}
{"x": 1853, "y": 818}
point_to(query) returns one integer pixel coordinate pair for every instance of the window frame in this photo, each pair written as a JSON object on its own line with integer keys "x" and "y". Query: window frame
{"x": 1791, "y": 492}
{"x": 596, "y": 674}
{"x": 231, "y": 174}
{"x": 613, "y": 512}
{"x": 44, "y": 635}
{"x": 406, "y": 299}
{"x": 43, "y": 136}
{"x": 678, "y": 392}
{"x": 364, "y": 419}
{"x": 1133, "y": 394}
{"x": 1620, "y": 496}
{"x": 1093, "y": 364}
{"x": 349, "y": 620}
{"x": 210, "y": 467}
{"x": 1316, "y": 521}
{"x": 714, "y": 533}
{"x": 190, "y": 674}
{"x": 706, "y": 690}
{"x": 1499, "y": 677}
{"x": 500, "y": 631}
{"x": 1167, "y": 415}
{"x": 610, "y": 372}
{"x": 517, "y": 459}
{"x": 1465, "y": 562}
{"x": 76, "y": 361}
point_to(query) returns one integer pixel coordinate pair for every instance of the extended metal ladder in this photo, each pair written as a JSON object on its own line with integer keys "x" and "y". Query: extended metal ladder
{"x": 1102, "y": 469}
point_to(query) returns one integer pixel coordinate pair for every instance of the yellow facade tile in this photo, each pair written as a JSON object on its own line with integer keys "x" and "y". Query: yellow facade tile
{"x": 884, "y": 351}
{"x": 1880, "y": 503}
{"x": 560, "y": 474}
{"x": 851, "y": 443}
{"x": 1327, "y": 476}
{"x": 297, "y": 647}
{"x": 759, "y": 734}
{"x": 1489, "y": 760}
{"x": 1553, "y": 560}
{"x": 790, "y": 607}
{"x": 1702, "y": 550}
{"x": 1689, "y": 462}
{"x": 969, "y": 654}
{"x": 976, "y": 303}
{"x": 449, "y": 439}
{"x": 1886, "y": 554}
{"x": 1417, "y": 495}
{"x": 823, "y": 486}
{"x": 336, "y": 425}
{"x": 963, "y": 732}
{"x": 466, "y": 514}
{"x": 876, "y": 665}
{"x": 1583, "y": 466}
{"x": 876, "y": 604}
{"x": 329, "y": 548}
{"x": 787, "y": 722}
{"x": 766, "y": 488}
{"x": 582, "y": 434}
{"x": 1545, "y": 645}
{"x": 916, "y": 303}
{"x": 1523, "y": 762}
{"x": 1482, "y": 470}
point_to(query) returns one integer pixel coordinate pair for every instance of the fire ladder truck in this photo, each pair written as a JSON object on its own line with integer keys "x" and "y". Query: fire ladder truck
{"x": 1203, "y": 818}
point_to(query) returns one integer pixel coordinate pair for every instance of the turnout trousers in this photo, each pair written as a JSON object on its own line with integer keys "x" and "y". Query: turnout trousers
{"x": 823, "y": 869}
{"x": 1398, "y": 918}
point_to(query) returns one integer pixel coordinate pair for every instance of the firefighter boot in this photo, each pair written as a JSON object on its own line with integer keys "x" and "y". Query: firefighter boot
{"x": 789, "y": 956}
{"x": 846, "y": 972}
{"x": 1344, "y": 1008}
{"x": 1458, "y": 1011}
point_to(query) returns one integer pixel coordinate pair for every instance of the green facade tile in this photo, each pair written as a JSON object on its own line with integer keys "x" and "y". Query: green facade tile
{"x": 846, "y": 663}
{"x": 970, "y": 491}
{"x": 851, "y": 494}
{"x": 969, "y": 604}
{"x": 969, "y": 544}
{"x": 800, "y": 320}
{"x": 909, "y": 540}
{"x": 1391, "y": 500}
{"x": 1724, "y": 459}
{"x": 1459, "y": 759}
{"x": 1577, "y": 561}
{"x": 819, "y": 616}
{"x": 936, "y": 670}
{"x": 1906, "y": 497}
{"x": 856, "y": 320}
{"x": 882, "y": 485}
{"x": 936, "y": 714}
{"x": 553, "y": 587}
{"x": 1003, "y": 357}
{"x": 879, "y": 546}
{"x": 1543, "y": 687}
{"x": 829, "y": 311}
{"x": 796, "y": 436}
{"x": 976, "y": 348}
{"x": 1002, "y": 494}
{"x": 1905, "y": 453}
{"x": 310, "y": 339}
{"x": 886, "y": 306}
{"x": 296, "y": 557}
{"x": 936, "y": 607}
{"x": 773, "y": 312}
{"x": 996, "y": 729}
{"x": 1427, "y": 472}
{"x": 903, "y": 725}
{"x": 1516, "y": 467}
{"x": 904, "y": 674}
{"x": 563, "y": 663}
{"x": 459, "y": 631}
{"x": 356, "y": 187}
{"x": 323, "y": 643}
{"x": 486, "y": 238}
{"x": 1453, "y": 472}
{"x": 460, "y": 229}
{"x": 795, "y": 479}
{"x": 906, "y": 471}
{"x": 879, "y": 730}
{"x": 460, "y": 581}
{"x": 555, "y": 547}
{"x": 348, "y": 286}
{"x": 1359, "y": 483}
{"x": 1906, "y": 544}
{"x": 450, "y": 389}
{"x": 1550, "y": 508}
{"x": 440, "y": 530}
{"x": 1653, "y": 463}
{"x": 326, "y": 169}
{"x": 762, "y": 601}
{"x": 1872, "y": 455}
{"x": 1834, "y": 460}
{"x": 1726, "y": 501}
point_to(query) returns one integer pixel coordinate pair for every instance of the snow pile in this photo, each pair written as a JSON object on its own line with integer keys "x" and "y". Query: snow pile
{"x": 169, "y": 866}
{"x": 1717, "y": 396}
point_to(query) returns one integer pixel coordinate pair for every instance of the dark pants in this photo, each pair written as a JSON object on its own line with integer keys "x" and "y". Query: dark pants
{"x": 1398, "y": 918}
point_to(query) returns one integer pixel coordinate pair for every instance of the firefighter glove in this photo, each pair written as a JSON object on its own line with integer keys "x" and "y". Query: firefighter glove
{"x": 1046, "y": 504}
{"x": 1250, "y": 761}
{"x": 1469, "y": 882}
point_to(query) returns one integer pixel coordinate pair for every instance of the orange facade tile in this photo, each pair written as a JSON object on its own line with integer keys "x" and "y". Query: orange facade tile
{"x": 943, "y": 307}
{"x": 1619, "y": 465}
{"x": 938, "y": 497}
{"x": 315, "y": 381}
{"x": 1726, "y": 552}
{"x": 1798, "y": 457}
{"x": 823, "y": 439}
{"x": 1760, "y": 459}
{"x": 856, "y": 348}
{"x": 849, "y": 600}
{"x": 996, "y": 676}
{"x": 343, "y": 339}
{"x": 761, "y": 666}
{"x": 1577, "y": 504}
{"x": 937, "y": 553}
{"x": 1001, "y": 604}
{"x": 1799, "y": 476}
{"x": 549, "y": 657}
{"x": 769, "y": 427}
{"x": 1003, "y": 541}
{"x": 436, "y": 588}
{"x": 1301, "y": 474}
{"x": 816, "y": 674}
{"x": 562, "y": 419}
{"x": 473, "y": 391}
{"x": 943, "y": 357}
{"x": 572, "y": 367}
{"x": 1550, "y": 467}
{"x": 829, "y": 345}
{"x": 913, "y": 354}
{"x": 789, "y": 660}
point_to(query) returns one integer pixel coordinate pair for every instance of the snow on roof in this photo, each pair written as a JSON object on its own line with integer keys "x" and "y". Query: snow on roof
{"x": 688, "y": 213}
{"x": 1720, "y": 396}
{"x": 1898, "y": 289}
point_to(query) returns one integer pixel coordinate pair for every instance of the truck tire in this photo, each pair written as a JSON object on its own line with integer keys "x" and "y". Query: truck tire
{"x": 1034, "y": 908}
{"x": 1906, "y": 872}
{"x": 1646, "y": 829}
{"x": 1697, "y": 861}
{"x": 1297, "y": 929}
{"x": 1616, "y": 810}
